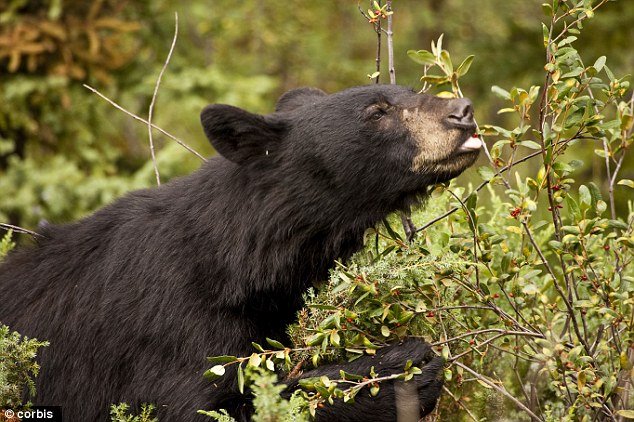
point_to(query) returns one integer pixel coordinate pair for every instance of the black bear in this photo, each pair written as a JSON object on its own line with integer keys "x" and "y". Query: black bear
{"x": 135, "y": 296}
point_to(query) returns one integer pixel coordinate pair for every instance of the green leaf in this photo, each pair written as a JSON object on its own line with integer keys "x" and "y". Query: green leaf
{"x": 598, "y": 65}
{"x": 437, "y": 48}
{"x": 221, "y": 359}
{"x": 255, "y": 360}
{"x": 445, "y": 59}
{"x": 470, "y": 204}
{"x": 626, "y": 182}
{"x": 567, "y": 40}
{"x": 573, "y": 73}
{"x": 486, "y": 173}
{"x": 617, "y": 224}
{"x": 423, "y": 57}
{"x": 531, "y": 145}
{"x": 241, "y": 379}
{"x": 214, "y": 373}
{"x": 385, "y": 331}
{"x": 484, "y": 384}
{"x": 435, "y": 79}
{"x": 464, "y": 66}
{"x": 274, "y": 343}
{"x": 393, "y": 234}
{"x": 629, "y": 413}
{"x": 547, "y": 9}
{"x": 335, "y": 339}
{"x": 609, "y": 73}
{"x": 585, "y": 198}
{"x": 502, "y": 93}
{"x": 530, "y": 289}
{"x": 350, "y": 377}
{"x": 446, "y": 94}
{"x": 595, "y": 192}
{"x": 545, "y": 34}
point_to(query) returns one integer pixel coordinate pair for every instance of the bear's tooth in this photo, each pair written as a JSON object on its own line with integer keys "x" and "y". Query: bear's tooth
{"x": 472, "y": 143}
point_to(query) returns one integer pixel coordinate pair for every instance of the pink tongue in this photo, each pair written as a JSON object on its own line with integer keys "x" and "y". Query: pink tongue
{"x": 472, "y": 143}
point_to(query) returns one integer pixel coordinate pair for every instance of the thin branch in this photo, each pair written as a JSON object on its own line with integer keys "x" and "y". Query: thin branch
{"x": 457, "y": 400}
{"x": 156, "y": 88}
{"x": 499, "y": 389}
{"x": 489, "y": 330}
{"x": 19, "y": 229}
{"x": 390, "y": 44}
{"x": 377, "y": 28}
{"x": 141, "y": 119}
{"x": 480, "y": 186}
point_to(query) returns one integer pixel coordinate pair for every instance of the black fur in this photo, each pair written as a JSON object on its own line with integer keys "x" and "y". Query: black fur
{"x": 135, "y": 296}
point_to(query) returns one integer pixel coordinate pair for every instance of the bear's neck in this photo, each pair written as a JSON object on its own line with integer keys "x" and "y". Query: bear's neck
{"x": 297, "y": 227}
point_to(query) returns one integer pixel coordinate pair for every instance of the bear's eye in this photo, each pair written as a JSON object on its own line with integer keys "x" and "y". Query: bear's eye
{"x": 377, "y": 111}
{"x": 378, "y": 114}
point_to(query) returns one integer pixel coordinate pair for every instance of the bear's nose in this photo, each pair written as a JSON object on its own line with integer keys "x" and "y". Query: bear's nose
{"x": 461, "y": 113}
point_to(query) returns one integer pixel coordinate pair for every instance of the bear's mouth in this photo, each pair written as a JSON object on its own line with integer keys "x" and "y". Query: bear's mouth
{"x": 472, "y": 144}
{"x": 463, "y": 156}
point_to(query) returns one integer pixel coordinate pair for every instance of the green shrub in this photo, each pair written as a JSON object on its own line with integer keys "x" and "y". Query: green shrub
{"x": 17, "y": 367}
{"x": 17, "y": 355}
{"x": 120, "y": 413}
{"x": 522, "y": 283}
{"x": 268, "y": 404}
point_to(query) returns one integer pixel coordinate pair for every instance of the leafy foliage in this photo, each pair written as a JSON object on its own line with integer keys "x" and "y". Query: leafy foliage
{"x": 17, "y": 355}
{"x": 268, "y": 403}
{"x": 17, "y": 367}
{"x": 120, "y": 413}
{"x": 527, "y": 298}
{"x": 6, "y": 244}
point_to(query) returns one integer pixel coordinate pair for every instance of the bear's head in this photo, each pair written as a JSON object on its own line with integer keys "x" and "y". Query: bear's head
{"x": 375, "y": 139}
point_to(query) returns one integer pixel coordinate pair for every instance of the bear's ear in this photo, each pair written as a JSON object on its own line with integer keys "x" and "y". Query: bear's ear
{"x": 239, "y": 135}
{"x": 298, "y": 97}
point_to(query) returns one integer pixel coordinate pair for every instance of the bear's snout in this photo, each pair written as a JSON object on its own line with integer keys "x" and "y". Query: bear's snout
{"x": 461, "y": 114}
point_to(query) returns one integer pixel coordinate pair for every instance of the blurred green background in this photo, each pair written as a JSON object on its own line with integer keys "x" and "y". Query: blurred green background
{"x": 64, "y": 151}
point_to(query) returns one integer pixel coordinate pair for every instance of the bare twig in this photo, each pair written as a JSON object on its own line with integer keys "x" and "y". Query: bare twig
{"x": 19, "y": 229}
{"x": 390, "y": 44}
{"x": 408, "y": 225}
{"x": 460, "y": 403}
{"x": 141, "y": 119}
{"x": 489, "y": 330}
{"x": 156, "y": 88}
{"x": 499, "y": 389}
